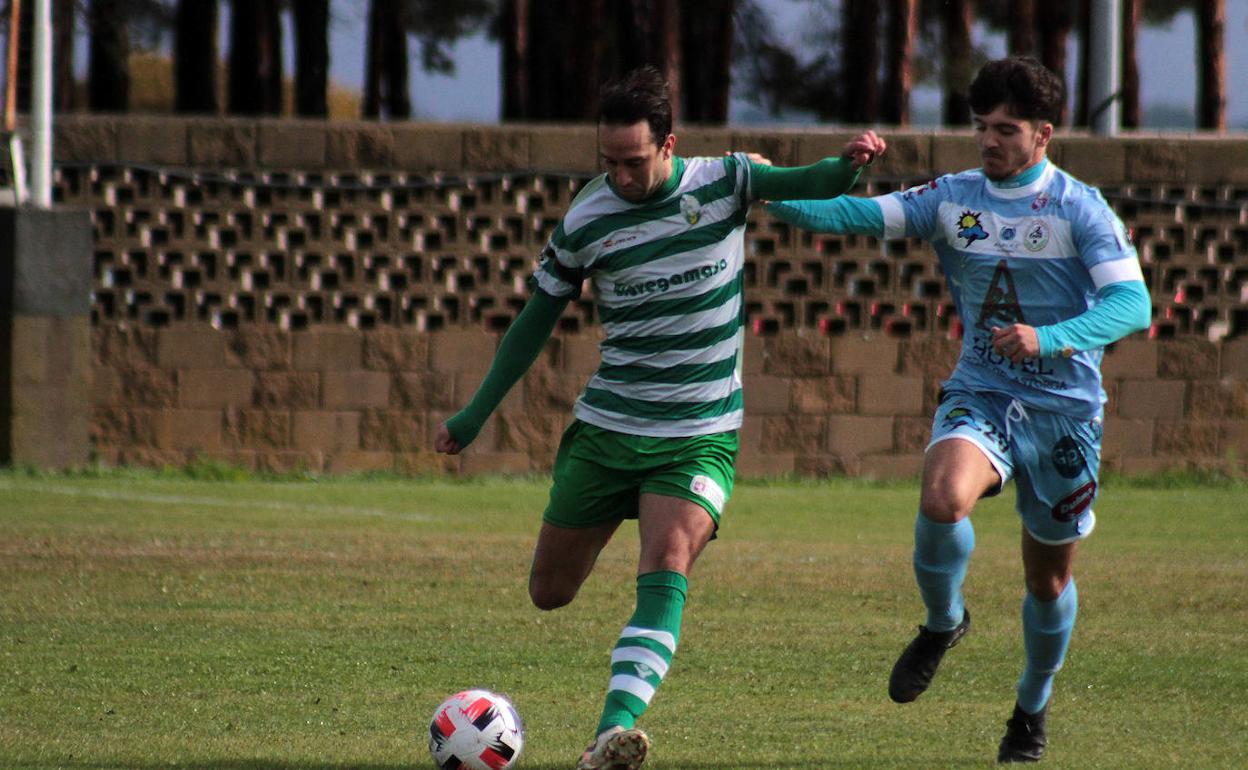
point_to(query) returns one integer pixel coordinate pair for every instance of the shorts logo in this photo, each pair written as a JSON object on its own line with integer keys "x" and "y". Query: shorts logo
{"x": 706, "y": 488}
{"x": 1069, "y": 507}
{"x": 1037, "y": 236}
{"x": 690, "y": 208}
{"x": 1068, "y": 458}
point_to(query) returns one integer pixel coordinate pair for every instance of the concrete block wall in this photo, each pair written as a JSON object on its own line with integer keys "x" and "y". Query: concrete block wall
{"x": 841, "y": 374}
{"x": 341, "y": 400}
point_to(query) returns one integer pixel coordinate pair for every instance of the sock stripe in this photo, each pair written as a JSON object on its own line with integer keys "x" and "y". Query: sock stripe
{"x": 664, "y": 638}
{"x": 640, "y": 655}
{"x": 638, "y": 688}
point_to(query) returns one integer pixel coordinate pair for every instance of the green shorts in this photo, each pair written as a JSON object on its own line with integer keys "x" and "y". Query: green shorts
{"x": 599, "y": 474}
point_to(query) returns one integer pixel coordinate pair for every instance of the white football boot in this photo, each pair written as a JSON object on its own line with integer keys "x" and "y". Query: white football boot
{"x": 616, "y": 749}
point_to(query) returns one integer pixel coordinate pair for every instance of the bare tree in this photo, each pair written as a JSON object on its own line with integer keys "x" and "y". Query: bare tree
{"x": 1131, "y": 11}
{"x": 255, "y": 58}
{"x": 860, "y": 43}
{"x": 1055, "y": 19}
{"x": 108, "y": 76}
{"x": 64, "y": 90}
{"x": 1022, "y": 28}
{"x": 959, "y": 60}
{"x": 903, "y": 21}
{"x": 706, "y": 71}
{"x": 386, "y": 82}
{"x": 311, "y": 26}
{"x": 195, "y": 56}
{"x": 1211, "y": 60}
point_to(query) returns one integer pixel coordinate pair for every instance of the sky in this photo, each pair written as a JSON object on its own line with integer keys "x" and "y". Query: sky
{"x": 1166, "y": 59}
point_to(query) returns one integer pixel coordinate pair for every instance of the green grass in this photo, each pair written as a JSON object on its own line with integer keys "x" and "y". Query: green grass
{"x": 229, "y": 622}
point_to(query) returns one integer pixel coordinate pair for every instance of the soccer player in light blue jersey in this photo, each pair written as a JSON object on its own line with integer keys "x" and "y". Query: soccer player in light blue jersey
{"x": 1043, "y": 276}
{"x": 654, "y": 437}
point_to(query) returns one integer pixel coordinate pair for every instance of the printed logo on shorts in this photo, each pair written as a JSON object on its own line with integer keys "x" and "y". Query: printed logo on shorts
{"x": 1069, "y": 507}
{"x": 1068, "y": 458}
{"x": 706, "y": 488}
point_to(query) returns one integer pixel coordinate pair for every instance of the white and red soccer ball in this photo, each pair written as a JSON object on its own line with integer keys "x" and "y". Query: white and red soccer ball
{"x": 476, "y": 730}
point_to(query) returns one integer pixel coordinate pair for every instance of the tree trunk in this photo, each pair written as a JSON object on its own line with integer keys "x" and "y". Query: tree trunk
{"x": 514, "y": 34}
{"x": 1022, "y": 34}
{"x": 1082, "y": 117}
{"x": 1055, "y": 20}
{"x": 64, "y": 90}
{"x": 311, "y": 24}
{"x": 1211, "y": 60}
{"x": 386, "y": 82}
{"x": 899, "y": 80}
{"x": 1131, "y": 10}
{"x": 195, "y": 56}
{"x": 108, "y": 83}
{"x": 668, "y": 56}
{"x": 706, "y": 59}
{"x": 956, "y": 22}
{"x": 255, "y": 58}
{"x": 861, "y": 43}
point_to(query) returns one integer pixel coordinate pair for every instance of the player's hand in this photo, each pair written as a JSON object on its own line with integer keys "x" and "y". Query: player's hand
{"x": 445, "y": 443}
{"x": 1016, "y": 342}
{"x": 863, "y": 149}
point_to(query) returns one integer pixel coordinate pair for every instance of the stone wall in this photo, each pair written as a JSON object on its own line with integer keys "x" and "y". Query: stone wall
{"x": 285, "y": 294}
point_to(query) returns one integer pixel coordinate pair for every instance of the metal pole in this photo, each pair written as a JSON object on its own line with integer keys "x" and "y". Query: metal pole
{"x": 1105, "y": 67}
{"x": 41, "y": 107}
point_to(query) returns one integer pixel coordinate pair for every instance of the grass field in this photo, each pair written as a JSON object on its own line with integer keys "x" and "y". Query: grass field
{"x": 156, "y": 621}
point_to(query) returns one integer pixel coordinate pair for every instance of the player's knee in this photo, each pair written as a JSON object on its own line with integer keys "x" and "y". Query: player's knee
{"x": 1046, "y": 588}
{"x": 548, "y": 597}
{"x": 945, "y": 506}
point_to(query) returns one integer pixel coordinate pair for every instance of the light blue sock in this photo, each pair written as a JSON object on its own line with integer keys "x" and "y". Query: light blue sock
{"x": 1046, "y": 635}
{"x": 941, "y": 552}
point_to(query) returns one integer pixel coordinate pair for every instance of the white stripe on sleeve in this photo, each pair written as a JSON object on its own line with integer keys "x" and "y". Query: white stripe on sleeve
{"x": 1116, "y": 271}
{"x": 894, "y": 216}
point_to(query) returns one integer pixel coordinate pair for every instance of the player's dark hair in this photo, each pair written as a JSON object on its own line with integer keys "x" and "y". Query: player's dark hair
{"x": 1028, "y": 89}
{"x": 641, "y": 94}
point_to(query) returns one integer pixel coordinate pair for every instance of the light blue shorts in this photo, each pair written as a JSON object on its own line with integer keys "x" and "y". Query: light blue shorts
{"x": 1053, "y": 459}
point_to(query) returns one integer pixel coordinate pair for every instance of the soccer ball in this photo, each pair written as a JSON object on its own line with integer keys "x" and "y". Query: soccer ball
{"x": 475, "y": 730}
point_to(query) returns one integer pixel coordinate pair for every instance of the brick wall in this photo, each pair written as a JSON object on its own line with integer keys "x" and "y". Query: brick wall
{"x": 285, "y": 294}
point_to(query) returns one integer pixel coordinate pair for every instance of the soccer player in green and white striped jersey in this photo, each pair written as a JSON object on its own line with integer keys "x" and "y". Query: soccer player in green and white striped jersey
{"x": 655, "y": 430}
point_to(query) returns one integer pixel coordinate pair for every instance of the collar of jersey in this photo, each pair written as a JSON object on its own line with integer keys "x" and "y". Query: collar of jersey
{"x": 1022, "y": 185}
{"x": 665, "y": 189}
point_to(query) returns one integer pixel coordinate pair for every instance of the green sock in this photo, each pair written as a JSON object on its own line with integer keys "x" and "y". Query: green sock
{"x": 644, "y": 652}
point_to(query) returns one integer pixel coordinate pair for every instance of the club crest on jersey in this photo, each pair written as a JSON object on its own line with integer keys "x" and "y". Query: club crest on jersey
{"x": 1037, "y": 236}
{"x": 969, "y": 227}
{"x": 690, "y": 208}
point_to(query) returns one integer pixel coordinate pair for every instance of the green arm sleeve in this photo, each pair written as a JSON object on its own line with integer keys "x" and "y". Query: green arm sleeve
{"x": 828, "y": 178}
{"x": 516, "y": 353}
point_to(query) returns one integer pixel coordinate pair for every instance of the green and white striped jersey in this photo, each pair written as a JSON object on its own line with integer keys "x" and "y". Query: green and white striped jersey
{"x": 667, "y": 276}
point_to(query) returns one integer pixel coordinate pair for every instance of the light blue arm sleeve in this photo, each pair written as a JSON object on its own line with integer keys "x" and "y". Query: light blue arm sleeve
{"x": 1121, "y": 308}
{"x": 861, "y": 216}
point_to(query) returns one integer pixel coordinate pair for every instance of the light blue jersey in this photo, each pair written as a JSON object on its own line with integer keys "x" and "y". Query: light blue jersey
{"x": 1042, "y": 251}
